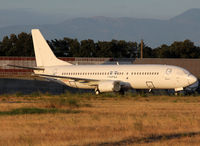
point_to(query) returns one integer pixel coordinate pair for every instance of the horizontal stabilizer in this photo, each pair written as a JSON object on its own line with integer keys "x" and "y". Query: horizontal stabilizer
{"x": 24, "y": 67}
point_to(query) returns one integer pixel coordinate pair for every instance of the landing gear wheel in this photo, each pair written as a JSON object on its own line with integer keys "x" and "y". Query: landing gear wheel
{"x": 122, "y": 92}
{"x": 97, "y": 92}
{"x": 180, "y": 93}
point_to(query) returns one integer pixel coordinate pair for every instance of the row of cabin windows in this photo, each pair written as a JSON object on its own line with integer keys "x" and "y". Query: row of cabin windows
{"x": 112, "y": 73}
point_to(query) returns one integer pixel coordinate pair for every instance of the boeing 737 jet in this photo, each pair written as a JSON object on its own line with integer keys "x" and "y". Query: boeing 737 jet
{"x": 107, "y": 78}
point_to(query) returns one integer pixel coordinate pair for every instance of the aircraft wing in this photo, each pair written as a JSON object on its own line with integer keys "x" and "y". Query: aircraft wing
{"x": 91, "y": 82}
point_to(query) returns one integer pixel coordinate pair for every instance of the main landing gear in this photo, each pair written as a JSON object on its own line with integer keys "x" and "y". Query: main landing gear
{"x": 97, "y": 92}
{"x": 179, "y": 91}
{"x": 122, "y": 92}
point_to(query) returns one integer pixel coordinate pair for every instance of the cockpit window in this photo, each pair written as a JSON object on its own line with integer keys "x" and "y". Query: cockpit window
{"x": 182, "y": 72}
{"x": 185, "y": 71}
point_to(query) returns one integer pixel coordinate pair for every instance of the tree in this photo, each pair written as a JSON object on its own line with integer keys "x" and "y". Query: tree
{"x": 74, "y": 47}
{"x": 5, "y": 46}
{"x": 103, "y": 49}
{"x": 59, "y": 47}
{"x": 147, "y": 51}
{"x": 24, "y": 45}
{"x": 87, "y": 49}
{"x": 162, "y": 52}
{"x": 20, "y": 45}
{"x": 132, "y": 49}
{"x": 185, "y": 49}
{"x": 116, "y": 49}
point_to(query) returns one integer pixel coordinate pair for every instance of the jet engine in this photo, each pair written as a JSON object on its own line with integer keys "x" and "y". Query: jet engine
{"x": 109, "y": 86}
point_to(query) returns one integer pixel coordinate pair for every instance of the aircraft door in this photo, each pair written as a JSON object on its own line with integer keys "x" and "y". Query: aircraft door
{"x": 150, "y": 85}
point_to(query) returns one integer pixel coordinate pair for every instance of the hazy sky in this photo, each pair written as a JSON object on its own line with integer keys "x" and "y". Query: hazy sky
{"x": 161, "y": 9}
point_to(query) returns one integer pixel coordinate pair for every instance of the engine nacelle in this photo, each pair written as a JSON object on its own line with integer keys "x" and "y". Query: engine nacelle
{"x": 109, "y": 86}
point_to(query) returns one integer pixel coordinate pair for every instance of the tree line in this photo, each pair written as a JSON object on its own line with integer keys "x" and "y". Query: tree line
{"x": 22, "y": 45}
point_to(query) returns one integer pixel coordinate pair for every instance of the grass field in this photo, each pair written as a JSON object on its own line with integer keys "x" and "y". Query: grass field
{"x": 86, "y": 119}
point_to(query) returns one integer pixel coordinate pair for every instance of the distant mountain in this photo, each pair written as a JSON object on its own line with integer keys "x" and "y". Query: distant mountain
{"x": 154, "y": 32}
{"x": 190, "y": 16}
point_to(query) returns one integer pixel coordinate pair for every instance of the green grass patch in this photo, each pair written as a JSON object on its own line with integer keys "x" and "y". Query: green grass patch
{"x": 58, "y": 102}
{"x": 19, "y": 94}
{"x": 76, "y": 100}
{"x": 22, "y": 111}
{"x": 35, "y": 94}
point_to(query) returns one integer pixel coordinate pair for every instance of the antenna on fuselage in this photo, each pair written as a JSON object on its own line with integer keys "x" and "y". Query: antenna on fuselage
{"x": 117, "y": 63}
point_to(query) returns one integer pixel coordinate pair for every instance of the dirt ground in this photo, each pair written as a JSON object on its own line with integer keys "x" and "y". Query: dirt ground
{"x": 46, "y": 120}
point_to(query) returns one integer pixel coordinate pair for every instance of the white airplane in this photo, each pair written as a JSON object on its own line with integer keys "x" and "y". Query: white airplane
{"x": 108, "y": 78}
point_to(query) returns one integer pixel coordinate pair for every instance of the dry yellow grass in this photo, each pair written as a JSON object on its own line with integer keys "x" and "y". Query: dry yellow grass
{"x": 107, "y": 121}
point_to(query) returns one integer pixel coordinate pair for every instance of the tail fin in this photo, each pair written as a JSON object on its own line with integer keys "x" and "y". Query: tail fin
{"x": 43, "y": 53}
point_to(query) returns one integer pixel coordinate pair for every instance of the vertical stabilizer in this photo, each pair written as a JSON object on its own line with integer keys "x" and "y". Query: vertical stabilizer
{"x": 43, "y": 53}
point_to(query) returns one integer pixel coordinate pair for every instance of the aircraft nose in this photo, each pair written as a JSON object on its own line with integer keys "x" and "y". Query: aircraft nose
{"x": 191, "y": 79}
